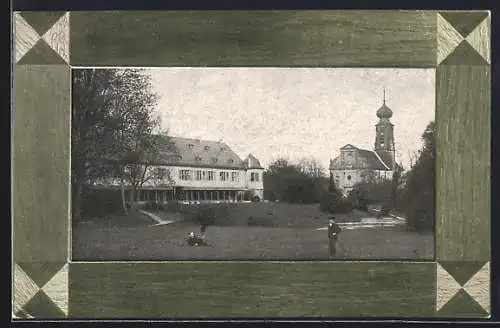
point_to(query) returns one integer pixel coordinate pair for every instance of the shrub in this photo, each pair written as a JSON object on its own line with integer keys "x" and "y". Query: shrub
{"x": 154, "y": 206}
{"x": 385, "y": 209}
{"x": 421, "y": 220}
{"x": 100, "y": 203}
{"x": 171, "y": 206}
{"x": 334, "y": 202}
{"x": 345, "y": 206}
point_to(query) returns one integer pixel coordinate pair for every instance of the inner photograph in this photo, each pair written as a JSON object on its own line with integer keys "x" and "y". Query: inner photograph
{"x": 252, "y": 164}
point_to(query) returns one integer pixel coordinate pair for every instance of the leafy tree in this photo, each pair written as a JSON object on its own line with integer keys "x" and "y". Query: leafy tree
{"x": 294, "y": 183}
{"x": 417, "y": 200}
{"x": 114, "y": 124}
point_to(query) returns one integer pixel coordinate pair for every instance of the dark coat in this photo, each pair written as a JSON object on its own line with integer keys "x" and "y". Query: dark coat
{"x": 333, "y": 230}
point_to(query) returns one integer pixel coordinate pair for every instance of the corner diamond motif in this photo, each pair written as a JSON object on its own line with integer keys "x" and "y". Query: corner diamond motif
{"x": 447, "y": 287}
{"x": 57, "y": 37}
{"x": 25, "y": 37}
{"x": 57, "y": 289}
{"x": 478, "y": 287}
{"x": 24, "y": 289}
{"x": 479, "y": 39}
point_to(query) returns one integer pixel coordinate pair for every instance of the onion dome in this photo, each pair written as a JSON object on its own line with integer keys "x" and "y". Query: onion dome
{"x": 384, "y": 111}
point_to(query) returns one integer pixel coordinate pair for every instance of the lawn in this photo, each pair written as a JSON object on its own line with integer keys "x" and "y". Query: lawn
{"x": 280, "y": 215}
{"x": 294, "y": 237}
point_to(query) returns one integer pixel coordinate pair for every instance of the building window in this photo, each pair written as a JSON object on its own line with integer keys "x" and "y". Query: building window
{"x": 214, "y": 159}
{"x": 230, "y": 161}
{"x": 206, "y": 148}
{"x": 222, "y": 148}
{"x": 185, "y": 175}
{"x": 197, "y": 158}
{"x": 198, "y": 175}
{"x": 224, "y": 176}
{"x": 235, "y": 176}
{"x": 348, "y": 177}
{"x": 190, "y": 146}
{"x": 254, "y": 176}
{"x": 211, "y": 175}
{"x": 204, "y": 175}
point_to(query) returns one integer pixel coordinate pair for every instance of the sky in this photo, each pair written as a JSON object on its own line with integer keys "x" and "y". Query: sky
{"x": 295, "y": 112}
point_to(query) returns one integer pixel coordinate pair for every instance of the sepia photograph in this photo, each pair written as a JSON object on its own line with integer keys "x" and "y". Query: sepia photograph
{"x": 253, "y": 164}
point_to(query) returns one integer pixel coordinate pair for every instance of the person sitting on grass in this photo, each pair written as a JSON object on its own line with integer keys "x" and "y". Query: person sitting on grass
{"x": 194, "y": 240}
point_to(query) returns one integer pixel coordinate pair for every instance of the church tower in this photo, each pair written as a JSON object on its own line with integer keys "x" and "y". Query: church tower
{"x": 384, "y": 135}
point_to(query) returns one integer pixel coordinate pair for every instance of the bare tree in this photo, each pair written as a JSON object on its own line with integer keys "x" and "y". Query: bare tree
{"x": 311, "y": 167}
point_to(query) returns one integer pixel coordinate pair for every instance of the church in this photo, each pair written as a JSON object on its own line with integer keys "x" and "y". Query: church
{"x": 354, "y": 165}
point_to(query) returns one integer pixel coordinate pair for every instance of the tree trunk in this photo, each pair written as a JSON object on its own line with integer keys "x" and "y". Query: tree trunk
{"x": 132, "y": 197}
{"x": 124, "y": 202}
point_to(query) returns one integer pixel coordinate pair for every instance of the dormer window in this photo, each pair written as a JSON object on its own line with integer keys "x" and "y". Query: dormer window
{"x": 190, "y": 146}
{"x": 222, "y": 148}
{"x": 197, "y": 158}
{"x": 214, "y": 159}
{"x": 207, "y": 148}
{"x": 230, "y": 161}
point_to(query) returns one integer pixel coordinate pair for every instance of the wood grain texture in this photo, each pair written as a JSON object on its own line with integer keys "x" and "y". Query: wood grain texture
{"x": 224, "y": 289}
{"x": 463, "y": 163}
{"x": 40, "y": 163}
{"x": 255, "y": 38}
{"x": 479, "y": 38}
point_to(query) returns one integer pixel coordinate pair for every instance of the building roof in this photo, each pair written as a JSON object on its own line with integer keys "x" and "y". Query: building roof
{"x": 252, "y": 163}
{"x": 375, "y": 160}
{"x": 201, "y": 153}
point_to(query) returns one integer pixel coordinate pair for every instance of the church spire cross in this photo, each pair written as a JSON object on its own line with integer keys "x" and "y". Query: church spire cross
{"x": 384, "y": 95}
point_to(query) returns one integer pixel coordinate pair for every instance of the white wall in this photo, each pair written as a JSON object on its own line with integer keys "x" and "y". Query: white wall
{"x": 216, "y": 183}
{"x": 243, "y": 181}
{"x": 257, "y": 185}
{"x": 343, "y": 183}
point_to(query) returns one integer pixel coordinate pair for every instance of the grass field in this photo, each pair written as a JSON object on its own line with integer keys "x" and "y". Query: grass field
{"x": 293, "y": 236}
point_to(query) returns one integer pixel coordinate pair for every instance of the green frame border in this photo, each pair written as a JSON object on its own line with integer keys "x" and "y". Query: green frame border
{"x": 47, "y": 284}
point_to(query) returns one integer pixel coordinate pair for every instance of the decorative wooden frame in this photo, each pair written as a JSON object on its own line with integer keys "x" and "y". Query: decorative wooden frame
{"x": 47, "y": 284}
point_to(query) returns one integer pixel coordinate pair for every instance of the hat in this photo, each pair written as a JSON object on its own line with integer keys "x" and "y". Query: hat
{"x": 191, "y": 234}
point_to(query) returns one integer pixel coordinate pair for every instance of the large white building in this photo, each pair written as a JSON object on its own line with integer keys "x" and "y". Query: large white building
{"x": 354, "y": 165}
{"x": 201, "y": 170}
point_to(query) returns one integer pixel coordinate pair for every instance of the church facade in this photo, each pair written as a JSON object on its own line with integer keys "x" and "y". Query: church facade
{"x": 354, "y": 165}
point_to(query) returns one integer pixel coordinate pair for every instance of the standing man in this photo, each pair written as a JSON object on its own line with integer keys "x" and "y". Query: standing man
{"x": 333, "y": 231}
